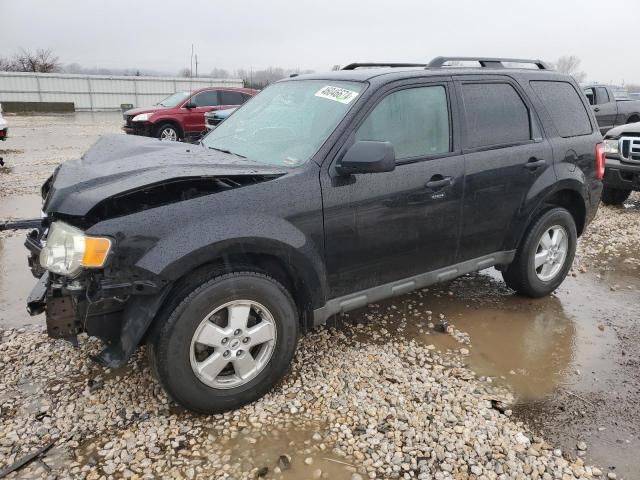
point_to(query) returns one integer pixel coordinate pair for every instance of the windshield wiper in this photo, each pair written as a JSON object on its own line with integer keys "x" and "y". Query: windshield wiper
{"x": 227, "y": 151}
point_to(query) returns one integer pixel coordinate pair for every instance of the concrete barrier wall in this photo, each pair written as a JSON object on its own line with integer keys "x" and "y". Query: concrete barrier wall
{"x": 98, "y": 92}
{"x": 39, "y": 107}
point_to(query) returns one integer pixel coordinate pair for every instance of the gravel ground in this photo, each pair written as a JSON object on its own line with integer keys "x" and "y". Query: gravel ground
{"x": 387, "y": 405}
{"x": 378, "y": 395}
{"x": 614, "y": 234}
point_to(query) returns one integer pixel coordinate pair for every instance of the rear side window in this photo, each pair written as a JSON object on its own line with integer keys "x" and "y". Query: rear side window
{"x": 232, "y": 98}
{"x": 495, "y": 115}
{"x": 206, "y": 99}
{"x": 564, "y": 106}
{"x": 414, "y": 120}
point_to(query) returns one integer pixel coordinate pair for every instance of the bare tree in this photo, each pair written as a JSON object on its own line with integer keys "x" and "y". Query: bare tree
{"x": 261, "y": 78}
{"x": 185, "y": 72}
{"x": 219, "y": 73}
{"x": 5, "y": 65}
{"x": 571, "y": 65}
{"x": 42, "y": 61}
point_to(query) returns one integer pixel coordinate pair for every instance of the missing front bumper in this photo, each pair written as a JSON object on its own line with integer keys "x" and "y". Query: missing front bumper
{"x": 117, "y": 311}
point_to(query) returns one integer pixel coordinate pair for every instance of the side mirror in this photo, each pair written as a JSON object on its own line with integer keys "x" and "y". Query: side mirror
{"x": 367, "y": 156}
{"x": 189, "y": 105}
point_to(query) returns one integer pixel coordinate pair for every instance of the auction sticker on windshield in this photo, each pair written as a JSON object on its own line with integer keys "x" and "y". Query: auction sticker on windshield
{"x": 338, "y": 94}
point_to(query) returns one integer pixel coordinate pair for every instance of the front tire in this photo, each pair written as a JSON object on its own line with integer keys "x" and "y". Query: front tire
{"x": 614, "y": 196}
{"x": 545, "y": 255}
{"x": 167, "y": 131}
{"x": 226, "y": 343}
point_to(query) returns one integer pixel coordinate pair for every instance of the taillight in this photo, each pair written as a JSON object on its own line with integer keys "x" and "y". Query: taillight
{"x": 600, "y": 160}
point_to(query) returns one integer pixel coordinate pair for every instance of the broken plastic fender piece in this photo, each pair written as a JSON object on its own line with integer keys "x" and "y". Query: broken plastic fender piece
{"x": 21, "y": 224}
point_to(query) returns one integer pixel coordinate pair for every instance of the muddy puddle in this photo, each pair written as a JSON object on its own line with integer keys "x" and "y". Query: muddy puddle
{"x": 296, "y": 452}
{"x": 16, "y": 280}
{"x": 571, "y": 359}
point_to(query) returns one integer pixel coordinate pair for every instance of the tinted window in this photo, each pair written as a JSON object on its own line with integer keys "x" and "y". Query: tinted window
{"x": 591, "y": 95}
{"x": 232, "y": 98}
{"x": 495, "y": 115}
{"x": 206, "y": 99}
{"x": 415, "y": 121}
{"x": 602, "y": 95}
{"x": 564, "y": 106}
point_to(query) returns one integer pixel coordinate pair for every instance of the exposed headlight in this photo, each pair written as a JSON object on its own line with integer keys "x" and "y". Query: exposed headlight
{"x": 612, "y": 147}
{"x": 143, "y": 117}
{"x": 68, "y": 250}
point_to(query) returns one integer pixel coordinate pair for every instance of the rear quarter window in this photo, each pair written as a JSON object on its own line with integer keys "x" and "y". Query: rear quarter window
{"x": 565, "y": 107}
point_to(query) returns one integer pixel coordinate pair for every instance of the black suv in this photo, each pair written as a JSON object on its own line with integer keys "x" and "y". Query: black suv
{"x": 322, "y": 194}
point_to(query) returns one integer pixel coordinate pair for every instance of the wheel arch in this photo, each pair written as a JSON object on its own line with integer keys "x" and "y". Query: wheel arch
{"x": 285, "y": 264}
{"x": 633, "y": 118}
{"x": 572, "y": 201}
{"x": 567, "y": 194}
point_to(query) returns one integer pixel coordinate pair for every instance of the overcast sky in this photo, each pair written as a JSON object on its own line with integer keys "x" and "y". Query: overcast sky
{"x": 157, "y": 34}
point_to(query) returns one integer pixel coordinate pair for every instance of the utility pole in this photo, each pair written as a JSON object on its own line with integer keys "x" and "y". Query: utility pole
{"x": 191, "y": 63}
{"x": 196, "y": 64}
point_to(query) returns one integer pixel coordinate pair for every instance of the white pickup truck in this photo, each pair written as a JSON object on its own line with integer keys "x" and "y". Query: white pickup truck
{"x": 4, "y": 126}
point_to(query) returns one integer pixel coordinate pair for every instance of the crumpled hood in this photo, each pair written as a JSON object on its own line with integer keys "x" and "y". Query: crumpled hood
{"x": 622, "y": 129}
{"x": 120, "y": 163}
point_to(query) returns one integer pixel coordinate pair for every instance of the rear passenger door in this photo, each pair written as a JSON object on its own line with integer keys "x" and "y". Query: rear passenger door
{"x": 504, "y": 155}
{"x": 388, "y": 226}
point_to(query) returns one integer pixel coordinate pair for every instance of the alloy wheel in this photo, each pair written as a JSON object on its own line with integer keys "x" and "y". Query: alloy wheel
{"x": 233, "y": 344}
{"x": 551, "y": 253}
{"x": 168, "y": 133}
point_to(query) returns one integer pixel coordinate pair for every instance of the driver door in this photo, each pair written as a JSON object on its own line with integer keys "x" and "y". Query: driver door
{"x": 203, "y": 102}
{"x": 383, "y": 227}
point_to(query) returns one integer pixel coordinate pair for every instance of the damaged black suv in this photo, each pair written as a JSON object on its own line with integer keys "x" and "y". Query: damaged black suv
{"x": 323, "y": 193}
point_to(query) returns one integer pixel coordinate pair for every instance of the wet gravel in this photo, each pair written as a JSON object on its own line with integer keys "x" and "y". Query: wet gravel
{"x": 387, "y": 406}
{"x": 613, "y": 235}
{"x": 380, "y": 394}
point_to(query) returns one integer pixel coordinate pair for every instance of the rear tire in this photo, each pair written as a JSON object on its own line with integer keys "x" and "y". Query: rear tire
{"x": 545, "y": 255}
{"x": 614, "y": 196}
{"x": 205, "y": 361}
{"x": 168, "y": 131}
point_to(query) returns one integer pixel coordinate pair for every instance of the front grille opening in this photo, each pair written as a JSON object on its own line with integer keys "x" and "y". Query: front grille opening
{"x": 630, "y": 149}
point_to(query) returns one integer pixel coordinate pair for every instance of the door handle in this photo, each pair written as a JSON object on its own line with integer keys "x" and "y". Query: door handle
{"x": 438, "y": 181}
{"x": 596, "y": 109}
{"x": 534, "y": 163}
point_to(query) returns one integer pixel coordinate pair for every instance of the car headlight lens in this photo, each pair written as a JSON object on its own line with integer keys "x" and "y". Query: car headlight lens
{"x": 143, "y": 117}
{"x": 612, "y": 147}
{"x": 68, "y": 250}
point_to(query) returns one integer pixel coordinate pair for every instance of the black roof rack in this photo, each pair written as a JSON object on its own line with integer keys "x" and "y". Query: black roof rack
{"x": 353, "y": 66}
{"x": 487, "y": 62}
